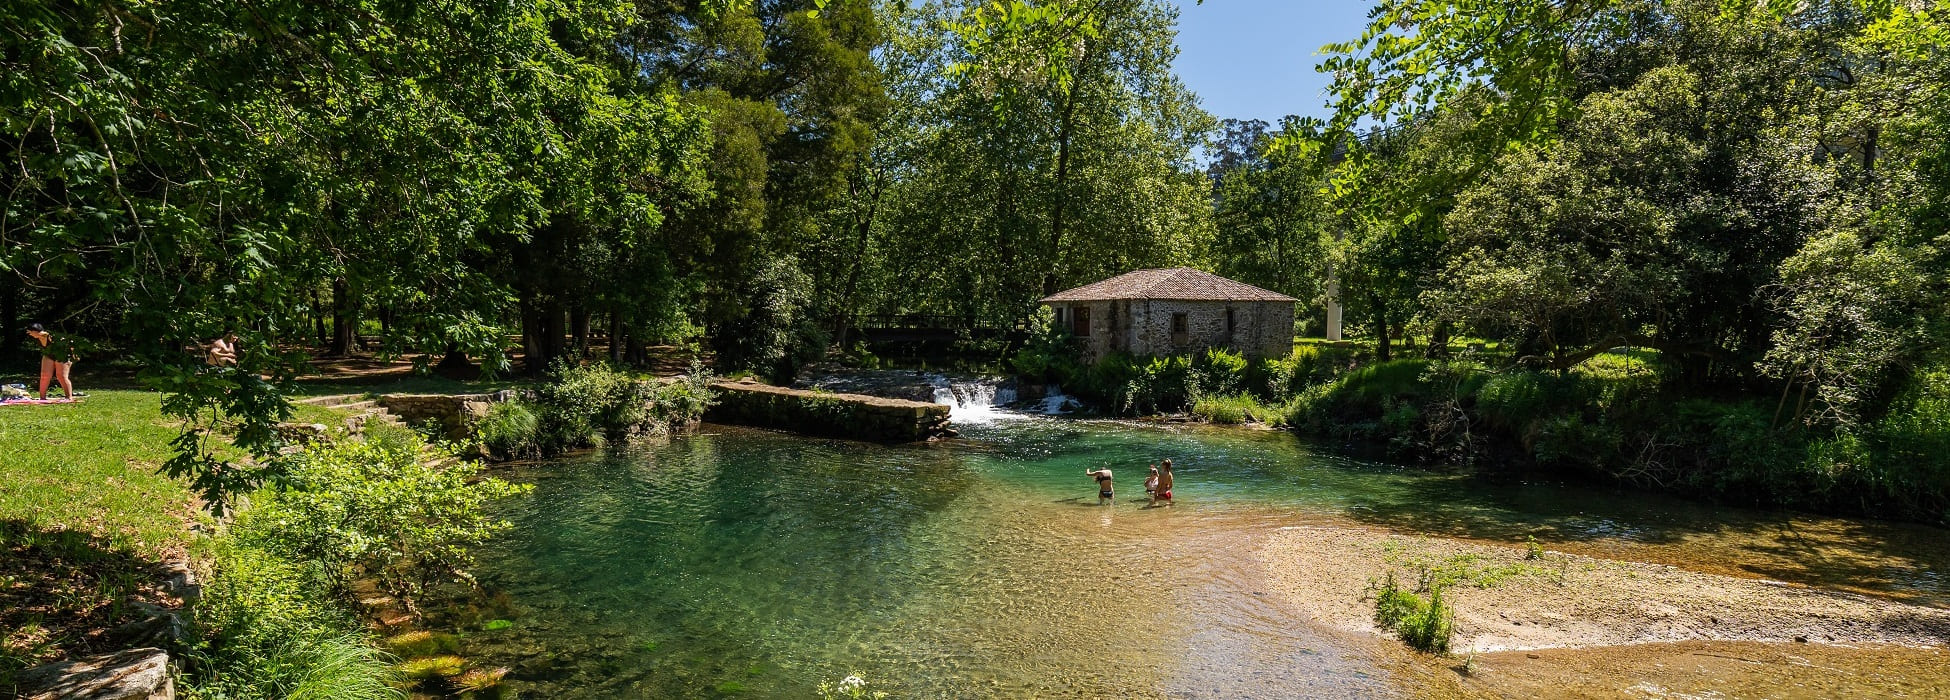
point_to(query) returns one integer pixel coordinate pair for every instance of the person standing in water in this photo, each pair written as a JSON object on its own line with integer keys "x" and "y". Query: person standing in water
{"x": 1151, "y": 484}
{"x": 57, "y": 357}
{"x": 1163, "y": 492}
{"x": 1104, "y": 492}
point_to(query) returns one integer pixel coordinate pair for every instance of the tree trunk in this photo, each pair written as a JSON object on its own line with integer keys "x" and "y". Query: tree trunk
{"x": 534, "y": 357}
{"x": 579, "y": 327}
{"x": 9, "y": 308}
{"x": 554, "y": 345}
{"x": 1058, "y": 205}
{"x": 1439, "y": 341}
{"x": 1383, "y": 347}
{"x": 616, "y": 336}
{"x": 318, "y": 319}
{"x": 343, "y": 320}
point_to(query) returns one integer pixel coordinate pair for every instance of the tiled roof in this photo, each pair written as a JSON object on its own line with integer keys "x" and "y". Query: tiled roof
{"x": 1182, "y": 283}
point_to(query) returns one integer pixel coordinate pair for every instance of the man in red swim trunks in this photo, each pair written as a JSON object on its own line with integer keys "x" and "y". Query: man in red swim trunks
{"x": 1164, "y": 484}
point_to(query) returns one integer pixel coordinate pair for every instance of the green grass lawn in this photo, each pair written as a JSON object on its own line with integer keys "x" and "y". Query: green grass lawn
{"x": 85, "y": 522}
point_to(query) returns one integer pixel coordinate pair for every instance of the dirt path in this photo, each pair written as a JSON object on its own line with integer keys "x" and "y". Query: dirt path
{"x": 1506, "y": 601}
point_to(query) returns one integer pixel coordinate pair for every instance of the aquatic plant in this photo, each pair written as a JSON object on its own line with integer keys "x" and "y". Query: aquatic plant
{"x": 497, "y": 625}
{"x": 480, "y": 681}
{"x": 422, "y": 643}
{"x": 430, "y": 667}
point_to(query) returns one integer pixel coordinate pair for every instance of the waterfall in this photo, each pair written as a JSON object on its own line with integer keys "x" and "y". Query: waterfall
{"x": 977, "y": 401}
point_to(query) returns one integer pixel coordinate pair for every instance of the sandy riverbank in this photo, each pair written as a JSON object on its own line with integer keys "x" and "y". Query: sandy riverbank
{"x": 1509, "y": 602}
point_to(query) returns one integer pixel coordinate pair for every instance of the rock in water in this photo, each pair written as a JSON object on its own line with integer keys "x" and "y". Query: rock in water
{"x": 134, "y": 674}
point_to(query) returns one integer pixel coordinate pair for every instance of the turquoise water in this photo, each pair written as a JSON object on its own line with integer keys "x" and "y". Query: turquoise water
{"x": 745, "y": 563}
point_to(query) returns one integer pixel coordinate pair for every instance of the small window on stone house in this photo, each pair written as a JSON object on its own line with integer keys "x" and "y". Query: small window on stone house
{"x": 1178, "y": 322}
{"x": 1230, "y": 324}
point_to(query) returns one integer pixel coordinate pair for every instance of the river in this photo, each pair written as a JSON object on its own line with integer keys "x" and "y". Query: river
{"x": 747, "y": 563}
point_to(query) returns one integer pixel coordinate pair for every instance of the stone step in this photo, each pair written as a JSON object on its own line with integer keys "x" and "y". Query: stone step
{"x": 356, "y": 405}
{"x": 331, "y": 401}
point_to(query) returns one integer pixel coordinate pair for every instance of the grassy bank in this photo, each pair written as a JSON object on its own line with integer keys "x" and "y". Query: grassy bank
{"x": 86, "y": 523}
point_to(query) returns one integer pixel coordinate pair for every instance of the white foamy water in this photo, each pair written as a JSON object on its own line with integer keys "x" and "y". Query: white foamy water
{"x": 978, "y": 401}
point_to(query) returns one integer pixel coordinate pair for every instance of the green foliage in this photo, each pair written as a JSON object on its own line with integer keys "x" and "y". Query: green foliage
{"x": 1236, "y": 409}
{"x": 358, "y": 509}
{"x": 1051, "y": 352}
{"x": 509, "y": 430}
{"x": 584, "y": 404}
{"x": 271, "y": 632}
{"x": 777, "y": 334}
{"x": 1424, "y": 624}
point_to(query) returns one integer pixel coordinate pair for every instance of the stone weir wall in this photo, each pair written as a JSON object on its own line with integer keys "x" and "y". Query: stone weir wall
{"x": 854, "y": 416}
{"x": 455, "y": 413}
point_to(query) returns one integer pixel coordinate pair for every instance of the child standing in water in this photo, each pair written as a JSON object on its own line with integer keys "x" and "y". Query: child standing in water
{"x": 1164, "y": 485}
{"x": 1151, "y": 484}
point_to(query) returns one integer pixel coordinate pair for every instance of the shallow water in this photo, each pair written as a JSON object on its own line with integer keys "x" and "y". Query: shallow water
{"x": 750, "y": 563}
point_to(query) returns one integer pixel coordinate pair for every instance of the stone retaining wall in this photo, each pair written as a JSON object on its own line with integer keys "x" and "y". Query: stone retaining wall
{"x": 854, "y": 416}
{"x": 455, "y": 413}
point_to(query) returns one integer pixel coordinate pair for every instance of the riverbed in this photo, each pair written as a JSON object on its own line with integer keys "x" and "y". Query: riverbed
{"x": 742, "y": 563}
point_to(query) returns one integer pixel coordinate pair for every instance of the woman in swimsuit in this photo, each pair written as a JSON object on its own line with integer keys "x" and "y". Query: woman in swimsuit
{"x": 1103, "y": 484}
{"x": 57, "y": 356}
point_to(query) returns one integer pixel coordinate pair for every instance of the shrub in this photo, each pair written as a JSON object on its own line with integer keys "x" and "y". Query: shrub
{"x": 363, "y": 509}
{"x": 1570, "y": 440}
{"x": 1050, "y": 355}
{"x": 585, "y": 403}
{"x": 1424, "y": 624}
{"x": 270, "y": 632}
{"x": 686, "y": 399}
{"x": 1218, "y": 371}
{"x": 1160, "y": 385}
{"x": 1235, "y": 409}
{"x": 509, "y": 430}
{"x": 1431, "y": 628}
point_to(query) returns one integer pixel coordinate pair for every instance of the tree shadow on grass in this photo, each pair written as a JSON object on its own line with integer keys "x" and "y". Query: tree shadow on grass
{"x": 63, "y": 591}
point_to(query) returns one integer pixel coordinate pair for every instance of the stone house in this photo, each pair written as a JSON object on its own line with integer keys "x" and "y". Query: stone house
{"x": 1175, "y": 311}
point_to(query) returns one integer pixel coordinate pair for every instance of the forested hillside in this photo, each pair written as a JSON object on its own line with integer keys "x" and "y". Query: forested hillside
{"x": 1751, "y": 194}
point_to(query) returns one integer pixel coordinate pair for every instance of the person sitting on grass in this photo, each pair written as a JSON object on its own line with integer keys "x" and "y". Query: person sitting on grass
{"x": 57, "y": 357}
{"x": 223, "y": 351}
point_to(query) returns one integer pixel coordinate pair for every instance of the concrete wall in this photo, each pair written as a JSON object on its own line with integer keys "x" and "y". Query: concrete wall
{"x": 854, "y": 416}
{"x": 1143, "y": 327}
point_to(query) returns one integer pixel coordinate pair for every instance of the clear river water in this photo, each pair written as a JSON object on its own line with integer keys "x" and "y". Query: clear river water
{"x": 743, "y": 563}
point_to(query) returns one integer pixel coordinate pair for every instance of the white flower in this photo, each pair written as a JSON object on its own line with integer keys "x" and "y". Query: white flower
{"x": 853, "y": 683}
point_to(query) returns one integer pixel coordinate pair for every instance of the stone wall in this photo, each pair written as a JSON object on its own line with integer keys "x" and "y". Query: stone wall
{"x": 455, "y": 413}
{"x": 1143, "y": 326}
{"x": 854, "y": 416}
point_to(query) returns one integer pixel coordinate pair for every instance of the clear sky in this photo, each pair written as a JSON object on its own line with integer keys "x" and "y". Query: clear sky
{"x": 1254, "y": 59}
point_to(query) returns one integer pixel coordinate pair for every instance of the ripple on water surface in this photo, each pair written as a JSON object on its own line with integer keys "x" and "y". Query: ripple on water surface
{"x": 745, "y": 562}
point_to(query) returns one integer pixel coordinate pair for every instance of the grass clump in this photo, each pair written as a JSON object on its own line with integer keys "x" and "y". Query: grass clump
{"x": 1237, "y": 409}
{"x": 1425, "y": 624}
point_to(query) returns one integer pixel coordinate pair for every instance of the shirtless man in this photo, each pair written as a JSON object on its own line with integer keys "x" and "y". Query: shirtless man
{"x": 1164, "y": 485}
{"x": 1102, "y": 476}
{"x": 223, "y": 351}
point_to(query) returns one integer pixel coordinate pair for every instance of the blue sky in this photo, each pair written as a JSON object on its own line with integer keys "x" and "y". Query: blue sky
{"x": 1254, "y": 59}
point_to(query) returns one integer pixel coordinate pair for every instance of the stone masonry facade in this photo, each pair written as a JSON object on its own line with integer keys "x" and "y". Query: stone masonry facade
{"x": 1153, "y": 326}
